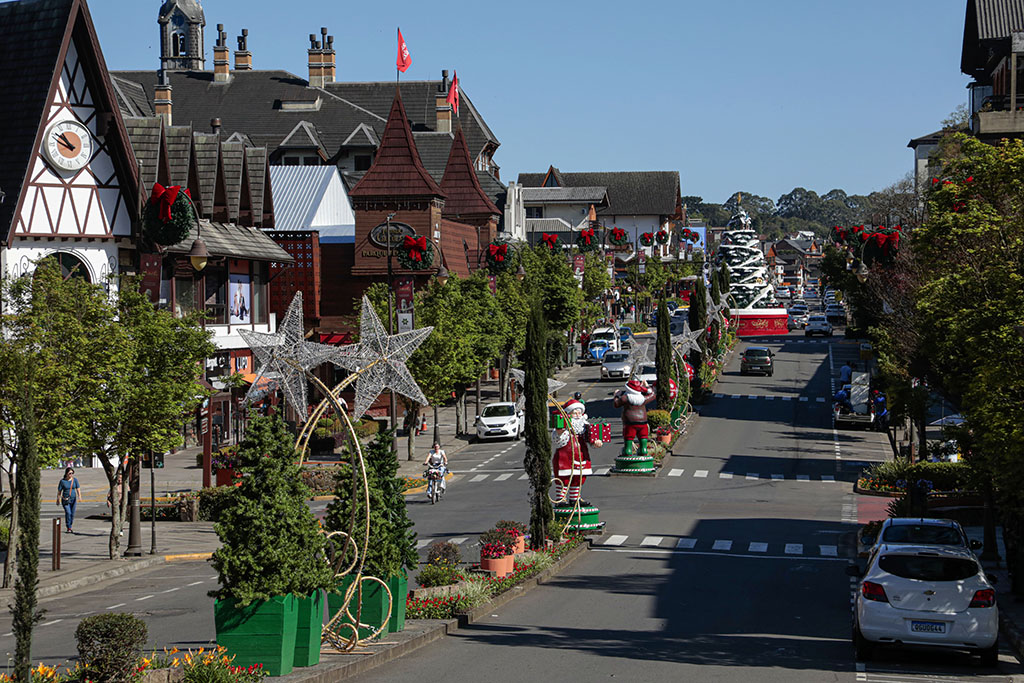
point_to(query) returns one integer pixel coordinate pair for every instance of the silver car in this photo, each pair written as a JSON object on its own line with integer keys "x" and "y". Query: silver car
{"x": 616, "y": 365}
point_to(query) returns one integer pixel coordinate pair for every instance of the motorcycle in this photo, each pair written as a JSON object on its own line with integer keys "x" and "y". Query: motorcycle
{"x": 434, "y": 476}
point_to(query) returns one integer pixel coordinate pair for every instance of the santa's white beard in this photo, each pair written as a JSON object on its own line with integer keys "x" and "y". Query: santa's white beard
{"x": 634, "y": 398}
{"x": 579, "y": 423}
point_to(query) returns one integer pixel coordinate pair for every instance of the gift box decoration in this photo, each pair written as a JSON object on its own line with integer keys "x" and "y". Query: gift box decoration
{"x": 600, "y": 431}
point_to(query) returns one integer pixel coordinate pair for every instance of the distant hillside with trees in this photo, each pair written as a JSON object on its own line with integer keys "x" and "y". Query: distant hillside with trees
{"x": 804, "y": 209}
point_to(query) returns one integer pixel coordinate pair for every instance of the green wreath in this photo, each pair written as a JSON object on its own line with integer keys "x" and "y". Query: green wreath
{"x": 409, "y": 262}
{"x": 618, "y": 236}
{"x": 172, "y": 231}
{"x": 647, "y": 239}
{"x": 662, "y": 237}
{"x": 583, "y": 244}
{"x": 498, "y": 258}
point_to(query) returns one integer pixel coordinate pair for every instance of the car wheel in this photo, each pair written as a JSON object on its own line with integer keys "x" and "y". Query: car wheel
{"x": 862, "y": 647}
{"x": 990, "y": 655}
{"x": 771, "y": 373}
{"x": 830, "y": 333}
{"x": 807, "y": 334}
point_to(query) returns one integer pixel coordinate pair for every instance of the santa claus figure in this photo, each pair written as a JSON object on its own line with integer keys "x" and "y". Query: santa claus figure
{"x": 633, "y": 400}
{"x": 571, "y": 462}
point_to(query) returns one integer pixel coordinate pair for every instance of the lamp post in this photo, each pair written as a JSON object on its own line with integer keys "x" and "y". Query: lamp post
{"x": 392, "y": 401}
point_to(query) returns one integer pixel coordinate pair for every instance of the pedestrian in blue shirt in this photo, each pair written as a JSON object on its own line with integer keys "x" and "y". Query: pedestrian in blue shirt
{"x": 67, "y": 496}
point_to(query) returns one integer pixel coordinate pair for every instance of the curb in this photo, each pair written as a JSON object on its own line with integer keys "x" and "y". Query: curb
{"x": 128, "y": 567}
{"x": 437, "y": 630}
{"x": 182, "y": 557}
{"x": 1010, "y": 630}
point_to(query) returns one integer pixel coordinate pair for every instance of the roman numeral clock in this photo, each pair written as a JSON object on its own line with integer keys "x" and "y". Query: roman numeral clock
{"x": 68, "y": 145}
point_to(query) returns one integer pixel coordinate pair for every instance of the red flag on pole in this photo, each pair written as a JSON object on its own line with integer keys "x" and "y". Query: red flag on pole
{"x": 453, "y": 94}
{"x": 404, "y": 60}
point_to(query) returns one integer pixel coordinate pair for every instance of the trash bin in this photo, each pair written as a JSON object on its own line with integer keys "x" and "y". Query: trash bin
{"x": 865, "y": 352}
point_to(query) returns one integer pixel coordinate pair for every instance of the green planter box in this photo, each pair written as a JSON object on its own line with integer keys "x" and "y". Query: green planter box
{"x": 375, "y": 606}
{"x": 263, "y": 632}
{"x": 399, "y": 586}
{"x": 310, "y": 623}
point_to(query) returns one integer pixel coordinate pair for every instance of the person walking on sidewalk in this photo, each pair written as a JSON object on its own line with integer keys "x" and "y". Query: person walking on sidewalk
{"x": 67, "y": 496}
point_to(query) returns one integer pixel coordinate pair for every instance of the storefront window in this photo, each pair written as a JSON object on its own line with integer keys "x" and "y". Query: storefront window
{"x": 185, "y": 296}
{"x": 216, "y": 294}
{"x": 259, "y": 292}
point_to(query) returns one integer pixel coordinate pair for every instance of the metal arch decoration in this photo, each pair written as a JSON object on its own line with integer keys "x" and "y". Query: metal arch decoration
{"x": 518, "y": 377}
{"x": 376, "y": 362}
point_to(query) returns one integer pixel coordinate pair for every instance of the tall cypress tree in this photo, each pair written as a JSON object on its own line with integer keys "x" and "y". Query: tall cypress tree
{"x": 716, "y": 323}
{"x": 726, "y": 284}
{"x": 663, "y": 357}
{"x": 24, "y": 612}
{"x": 698, "y": 321}
{"x": 538, "y": 441}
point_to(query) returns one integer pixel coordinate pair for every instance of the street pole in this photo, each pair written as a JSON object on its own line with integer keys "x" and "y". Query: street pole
{"x": 134, "y": 548}
{"x": 393, "y": 405}
{"x": 152, "y": 503}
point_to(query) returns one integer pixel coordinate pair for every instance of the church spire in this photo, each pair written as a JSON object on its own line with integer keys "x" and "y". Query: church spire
{"x": 181, "y": 35}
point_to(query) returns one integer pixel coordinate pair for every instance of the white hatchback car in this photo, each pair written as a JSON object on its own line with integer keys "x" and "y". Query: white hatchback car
{"x": 499, "y": 421}
{"x": 930, "y": 596}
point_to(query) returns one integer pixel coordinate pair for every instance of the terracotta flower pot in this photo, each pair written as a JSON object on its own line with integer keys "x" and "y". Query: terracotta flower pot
{"x": 501, "y": 566}
{"x": 494, "y": 373}
{"x": 520, "y": 545}
{"x": 665, "y": 439}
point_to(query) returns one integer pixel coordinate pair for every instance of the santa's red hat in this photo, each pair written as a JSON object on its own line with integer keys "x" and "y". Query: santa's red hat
{"x": 637, "y": 385}
{"x": 572, "y": 404}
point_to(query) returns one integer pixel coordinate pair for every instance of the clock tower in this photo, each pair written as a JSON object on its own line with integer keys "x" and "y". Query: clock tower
{"x": 181, "y": 35}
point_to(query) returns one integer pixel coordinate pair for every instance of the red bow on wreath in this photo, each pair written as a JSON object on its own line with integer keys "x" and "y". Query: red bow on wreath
{"x": 587, "y": 234}
{"x": 892, "y": 240}
{"x": 618, "y": 234}
{"x": 415, "y": 246}
{"x": 498, "y": 251}
{"x": 647, "y": 236}
{"x": 550, "y": 240}
{"x": 164, "y": 197}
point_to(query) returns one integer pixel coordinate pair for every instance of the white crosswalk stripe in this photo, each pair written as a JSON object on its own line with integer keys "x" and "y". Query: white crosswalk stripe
{"x": 524, "y": 477}
{"x": 829, "y": 550}
{"x": 458, "y": 541}
{"x": 827, "y": 477}
{"x": 758, "y": 548}
{"x": 721, "y": 545}
{"x": 719, "y": 396}
{"x": 686, "y": 543}
{"x": 794, "y": 549}
{"x": 503, "y": 477}
{"x": 725, "y": 475}
{"x": 479, "y": 477}
{"x": 422, "y": 543}
{"x": 804, "y": 399}
{"x": 701, "y": 474}
{"x": 652, "y": 540}
{"x": 778, "y": 476}
{"x": 787, "y": 398}
{"x": 724, "y": 545}
{"x": 675, "y": 473}
{"x": 820, "y": 399}
{"x": 803, "y": 477}
{"x": 603, "y": 471}
{"x": 753, "y": 475}
{"x": 615, "y": 540}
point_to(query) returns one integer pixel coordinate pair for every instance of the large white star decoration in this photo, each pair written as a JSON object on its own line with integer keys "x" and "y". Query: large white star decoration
{"x": 686, "y": 341}
{"x": 380, "y": 361}
{"x": 284, "y": 356}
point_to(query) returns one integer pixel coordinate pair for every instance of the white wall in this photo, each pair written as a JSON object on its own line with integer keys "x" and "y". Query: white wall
{"x": 100, "y": 258}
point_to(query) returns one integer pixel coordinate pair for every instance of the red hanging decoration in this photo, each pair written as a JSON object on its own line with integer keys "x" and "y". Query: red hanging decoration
{"x": 164, "y": 197}
{"x": 550, "y": 240}
{"x": 647, "y": 239}
{"x": 587, "y": 234}
{"x": 415, "y": 246}
{"x": 498, "y": 251}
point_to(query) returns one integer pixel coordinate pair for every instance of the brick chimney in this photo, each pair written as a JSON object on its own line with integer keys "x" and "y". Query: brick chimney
{"x": 243, "y": 58}
{"x": 444, "y": 110}
{"x": 221, "y": 53}
{"x": 316, "y": 69}
{"x": 327, "y": 56}
{"x": 162, "y": 99}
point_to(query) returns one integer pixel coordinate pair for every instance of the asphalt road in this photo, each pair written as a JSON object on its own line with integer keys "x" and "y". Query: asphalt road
{"x": 731, "y": 559}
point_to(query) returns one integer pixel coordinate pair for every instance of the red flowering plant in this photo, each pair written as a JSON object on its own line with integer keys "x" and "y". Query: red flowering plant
{"x": 617, "y": 237}
{"x": 495, "y": 543}
{"x": 512, "y": 528}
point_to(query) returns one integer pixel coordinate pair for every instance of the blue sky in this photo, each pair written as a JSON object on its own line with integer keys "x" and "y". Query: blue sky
{"x": 736, "y": 95}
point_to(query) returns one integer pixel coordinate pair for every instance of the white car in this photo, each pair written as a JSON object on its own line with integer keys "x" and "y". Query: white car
{"x": 499, "y": 421}
{"x": 923, "y": 531}
{"x": 616, "y": 365}
{"x": 647, "y": 373}
{"x": 817, "y": 324}
{"x": 607, "y": 334}
{"x": 927, "y": 595}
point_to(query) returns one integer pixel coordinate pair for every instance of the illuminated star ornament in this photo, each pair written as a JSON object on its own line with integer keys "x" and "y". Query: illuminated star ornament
{"x": 284, "y": 356}
{"x": 686, "y": 341}
{"x": 380, "y": 361}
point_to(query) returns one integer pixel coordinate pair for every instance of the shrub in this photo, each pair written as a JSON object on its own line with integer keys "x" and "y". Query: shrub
{"x": 444, "y": 553}
{"x": 944, "y": 476}
{"x": 497, "y": 540}
{"x": 5, "y": 533}
{"x": 225, "y": 458}
{"x": 438, "y": 575}
{"x": 659, "y": 418}
{"x": 556, "y": 528}
{"x": 320, "y": 480}
{"x": 213, "y": 501}
{"x": 510, "y": 526}
{"x": 366, "y": 427}
{"x": 638, "y": 327}
{"x": 110, "y": 645}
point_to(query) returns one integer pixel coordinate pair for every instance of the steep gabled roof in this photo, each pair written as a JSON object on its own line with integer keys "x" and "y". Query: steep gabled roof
{"x": 256, "y": 164}
{"x": 144, "y": 134}
{"x": 397, "y": 170}
{"x": 179, "y": 147}
{"x": 985, "y": 22}
{"x": 206, "y": 147}
{"x": 231, "y": 155}
{"x": 131, "y": 97}
{"x": 362, "y": 135}
{"x": 304, "y": 136}
{"x": 463, "y": 195}
{"x": 636, "y": 193}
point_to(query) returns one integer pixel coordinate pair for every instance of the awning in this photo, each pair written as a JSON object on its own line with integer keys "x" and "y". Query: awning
{"x": 234, "y": 241}
{"x": 264, "y": 383}
{"x": 336, "y": 339}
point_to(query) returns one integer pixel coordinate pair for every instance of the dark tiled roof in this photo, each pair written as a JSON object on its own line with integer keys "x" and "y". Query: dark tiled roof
{"x": 234, "y": 241}
{"x": 144, "y": 134}
{"x": 179, "y": 146}
{"x": 637, "y": 193}
{"x": 303, "y": 136}
{"x": 930, "y": 139}
{"x": 231, "y": 155}
{"x": 206, "y": 147}
{"x": 454, "y": 238}
{"x": 594, "y": 195}
{"x": 30, "y": 40}
{"x": 256, "y": 163}
{"x": 397, "y": 169}
{"x": 463, "y": 195}
{"x": 131, "y": 98}
{"x": 987, "y": 21}
{"x": 434, "y": 149}
{"x": 190, "y": 8}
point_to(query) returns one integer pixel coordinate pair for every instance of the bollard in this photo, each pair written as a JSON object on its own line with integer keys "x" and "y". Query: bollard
{"x": 56, "y": 545}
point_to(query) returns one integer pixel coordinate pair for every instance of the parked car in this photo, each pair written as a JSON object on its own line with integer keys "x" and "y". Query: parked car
{"x": 811, "y": 293}
{"x": 927, "y": 595}
{"x": 921, "y": 531}
{"x": 817, "y": 324}
{"x": 796, "y": 321}
{"x": 676, "y": 327}
{"x": 499, "y": 421}
{"x": 616, "y": 364}
{"x": 782, "y": 292}
{"x": 757, "y": 359}
{"x": 836, "y": 314}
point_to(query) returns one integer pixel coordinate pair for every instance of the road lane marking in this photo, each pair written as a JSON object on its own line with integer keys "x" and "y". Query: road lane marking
{"x": 752, "y": 396}
{"x": 700, "y": 474}
{"x": 503, "y": 477}
{"x": 686, "y": 543}
{"x": 194, "y": 583}
{"x": 675, "y": 473}
{"x": 652, "y": 540}
{"x": 524, "y": 477}
{"x": 769, "y": 398}
{"x": 820, "y": 399}
{"x": 803, "y": 477}
{"x": 616, "y": 540}
{"x": 787, "y": 398}
{"x": 752, "y": 476}
{"x": 459, "y": 541}
{"x": 777, "y": 477}
{"x": 794, "y": 549}
{"x": 422, "y": 543}
{"x": 171, "y": 590}
{"x": 722, "y": 545}
{"x": 827, "y": 477}
{"x": 603, "y": 471}
{"x": 120, "y": 604}
{"x": 758, "y": 548}
{"x": 479, "y": 477}
{"x": 719, "y": 396}
{"x": 829, "y": 550}
{"x": 725, "y": 475}
{"x": 735, "y": 396}
{"x": 804, "y": 399}
{"x": 50, "y": 623}
{"x": 144, "y": 597}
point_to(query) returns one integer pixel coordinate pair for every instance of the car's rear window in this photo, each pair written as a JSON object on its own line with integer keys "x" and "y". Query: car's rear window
{"x": 756, "y": 353}
{"x": 928, "y": 568}
{"x": 615, "y": 357}
{"x": 599, "y": 343}
{"x": 498, "y": 411}
{"x": 604, "y": 335}
{"x": 648, "y": 370}
{"x": 816, "y": 319}
{"x": 927, "y": 534}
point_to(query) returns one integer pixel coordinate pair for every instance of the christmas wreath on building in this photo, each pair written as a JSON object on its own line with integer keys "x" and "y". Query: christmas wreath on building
{"x": 689, "y": 235}
{"x": 497, "y": 258}
{"x": 550, "y": 239}
{"x": 647, "y": 239}
{"x": 618, "y": 237}
{"x": 587, "y": 240}
{"x": 416, "y": 253}
{"x": 168, "y": 215}
{"x": 662, "y": 237}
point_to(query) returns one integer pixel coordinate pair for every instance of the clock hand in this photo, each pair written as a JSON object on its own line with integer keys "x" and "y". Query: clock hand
{"x": 66, "y": 142}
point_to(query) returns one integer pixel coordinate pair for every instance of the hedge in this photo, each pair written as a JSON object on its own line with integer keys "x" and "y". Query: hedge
{"x": 894, "y": 474}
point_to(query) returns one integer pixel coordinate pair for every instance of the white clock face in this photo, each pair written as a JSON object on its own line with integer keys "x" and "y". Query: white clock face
{"x": 68, "y": 145}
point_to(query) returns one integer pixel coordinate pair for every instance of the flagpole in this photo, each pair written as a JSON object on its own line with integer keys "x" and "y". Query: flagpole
{"x": 398, "y": 73}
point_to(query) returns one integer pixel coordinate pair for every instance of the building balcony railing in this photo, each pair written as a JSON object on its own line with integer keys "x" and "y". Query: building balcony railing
{"x": 996, "y": 117}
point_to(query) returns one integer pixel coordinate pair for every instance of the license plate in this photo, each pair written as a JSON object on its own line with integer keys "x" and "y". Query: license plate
{"x": 495, "y": 431}
{"x": 928, "y": 626}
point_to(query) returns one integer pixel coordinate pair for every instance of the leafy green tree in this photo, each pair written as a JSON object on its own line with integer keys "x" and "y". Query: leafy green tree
{"x": 698, "y": 316}
{"x": 514, "y": 308}
{"x": 537, "y": 460}
{"x": 663, "y": 357}
{"x": 271, "y": 543}
{"x": 483, "y": 344}
{"x": 549, "y": 276}
{"x": 401, "y": 536}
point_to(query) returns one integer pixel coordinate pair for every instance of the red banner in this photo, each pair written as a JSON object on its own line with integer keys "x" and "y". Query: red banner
{"x": 149, "y": 266}
{"x": 404, "y": 287}
{"x": 760, "y": 324}
{"x": 404, "y": 60}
